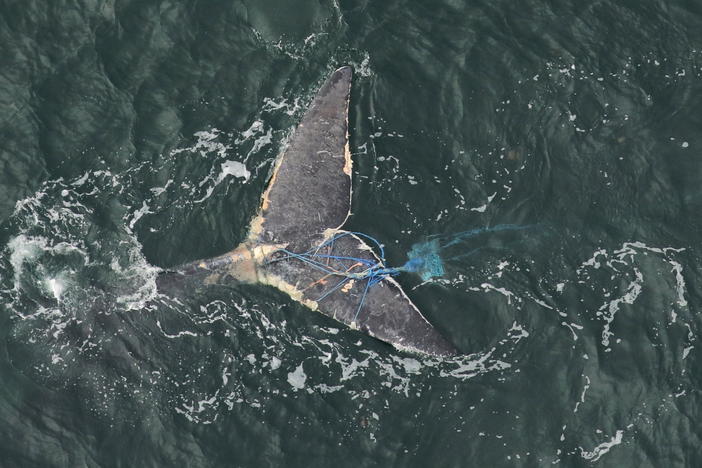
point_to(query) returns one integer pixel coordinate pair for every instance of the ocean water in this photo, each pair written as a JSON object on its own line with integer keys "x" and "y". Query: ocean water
{"x": 138, "y": 135}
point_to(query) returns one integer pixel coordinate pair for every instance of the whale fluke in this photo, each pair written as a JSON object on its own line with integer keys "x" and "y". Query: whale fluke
{"x": 310, "y": 189}
{"x": 307, "y": 201}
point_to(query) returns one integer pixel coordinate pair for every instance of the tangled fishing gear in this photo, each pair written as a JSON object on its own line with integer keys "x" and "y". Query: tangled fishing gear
{"x": 426, "y": 259}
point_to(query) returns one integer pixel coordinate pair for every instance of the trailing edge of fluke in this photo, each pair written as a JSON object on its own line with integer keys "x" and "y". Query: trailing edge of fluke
{"x": 307, "y": 202}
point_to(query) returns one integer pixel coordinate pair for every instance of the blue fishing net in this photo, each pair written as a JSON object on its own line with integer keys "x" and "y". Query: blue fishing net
{"x": 424, "y": 259}
{"x": 428, "y": 258}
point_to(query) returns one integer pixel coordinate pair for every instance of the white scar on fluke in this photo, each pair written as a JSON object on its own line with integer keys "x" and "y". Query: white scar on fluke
{"x": 303, "y": 209}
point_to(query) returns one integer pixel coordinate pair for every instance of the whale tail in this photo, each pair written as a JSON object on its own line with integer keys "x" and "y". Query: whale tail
{"x": 307, "y": 201}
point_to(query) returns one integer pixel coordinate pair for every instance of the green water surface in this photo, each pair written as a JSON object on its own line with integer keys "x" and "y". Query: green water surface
{"x": 137, "y": 135}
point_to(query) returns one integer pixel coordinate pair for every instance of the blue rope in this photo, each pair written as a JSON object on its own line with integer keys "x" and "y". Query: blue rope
{"x": 461, "y": 236}
{"x": 373, "y": 273}
{"x": 363, "y": 297}
{"x": 341, "y": 283}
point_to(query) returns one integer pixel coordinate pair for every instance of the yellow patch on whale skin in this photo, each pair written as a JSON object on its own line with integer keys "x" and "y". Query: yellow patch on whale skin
{"x": 247, "y": 264}
{"x": 256, "y": 228}
{"x": 257, "y": 223}
{"x": 329, "y": 233}
{"x": 348, "y": 164}
{"x": 288, "y": 289}
{"x": 264, "y": 200}
{"x": 243, "y": 265}
{"x": 261, "y": 252}
{"x": 347, "y": 287}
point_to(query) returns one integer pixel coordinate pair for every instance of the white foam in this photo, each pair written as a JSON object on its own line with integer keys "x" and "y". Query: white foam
{"x": 608, "y": 310}
{"x": 206, "y": 144}
{"x": 626, "y": 256}
{"x": 297, "y": 378}
{"x": 272, "y": 105}
{"x": 505, "y": 292}
{"x": 582, "y": 395}
{"x": 363, "y": 69}
{"x": 177, "y": 335}
{"x": 475, "y": 364}
{"x": 255, "y": 128}
{"x": 603, "y": 448}
{"x": 679, "y": 283}
{"x": 260, "y": 142}
{"x": 24, "y": 248}
{"x": 138, "y": 214}
{"x": 56, "y": 287}
{"x": 517, "y": 332}
{"x": 233, "y": 168}
{"x": 686, "y": 351}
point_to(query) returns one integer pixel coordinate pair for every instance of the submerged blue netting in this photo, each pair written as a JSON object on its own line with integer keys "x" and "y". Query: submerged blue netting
{"x": 426, "y": 259}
